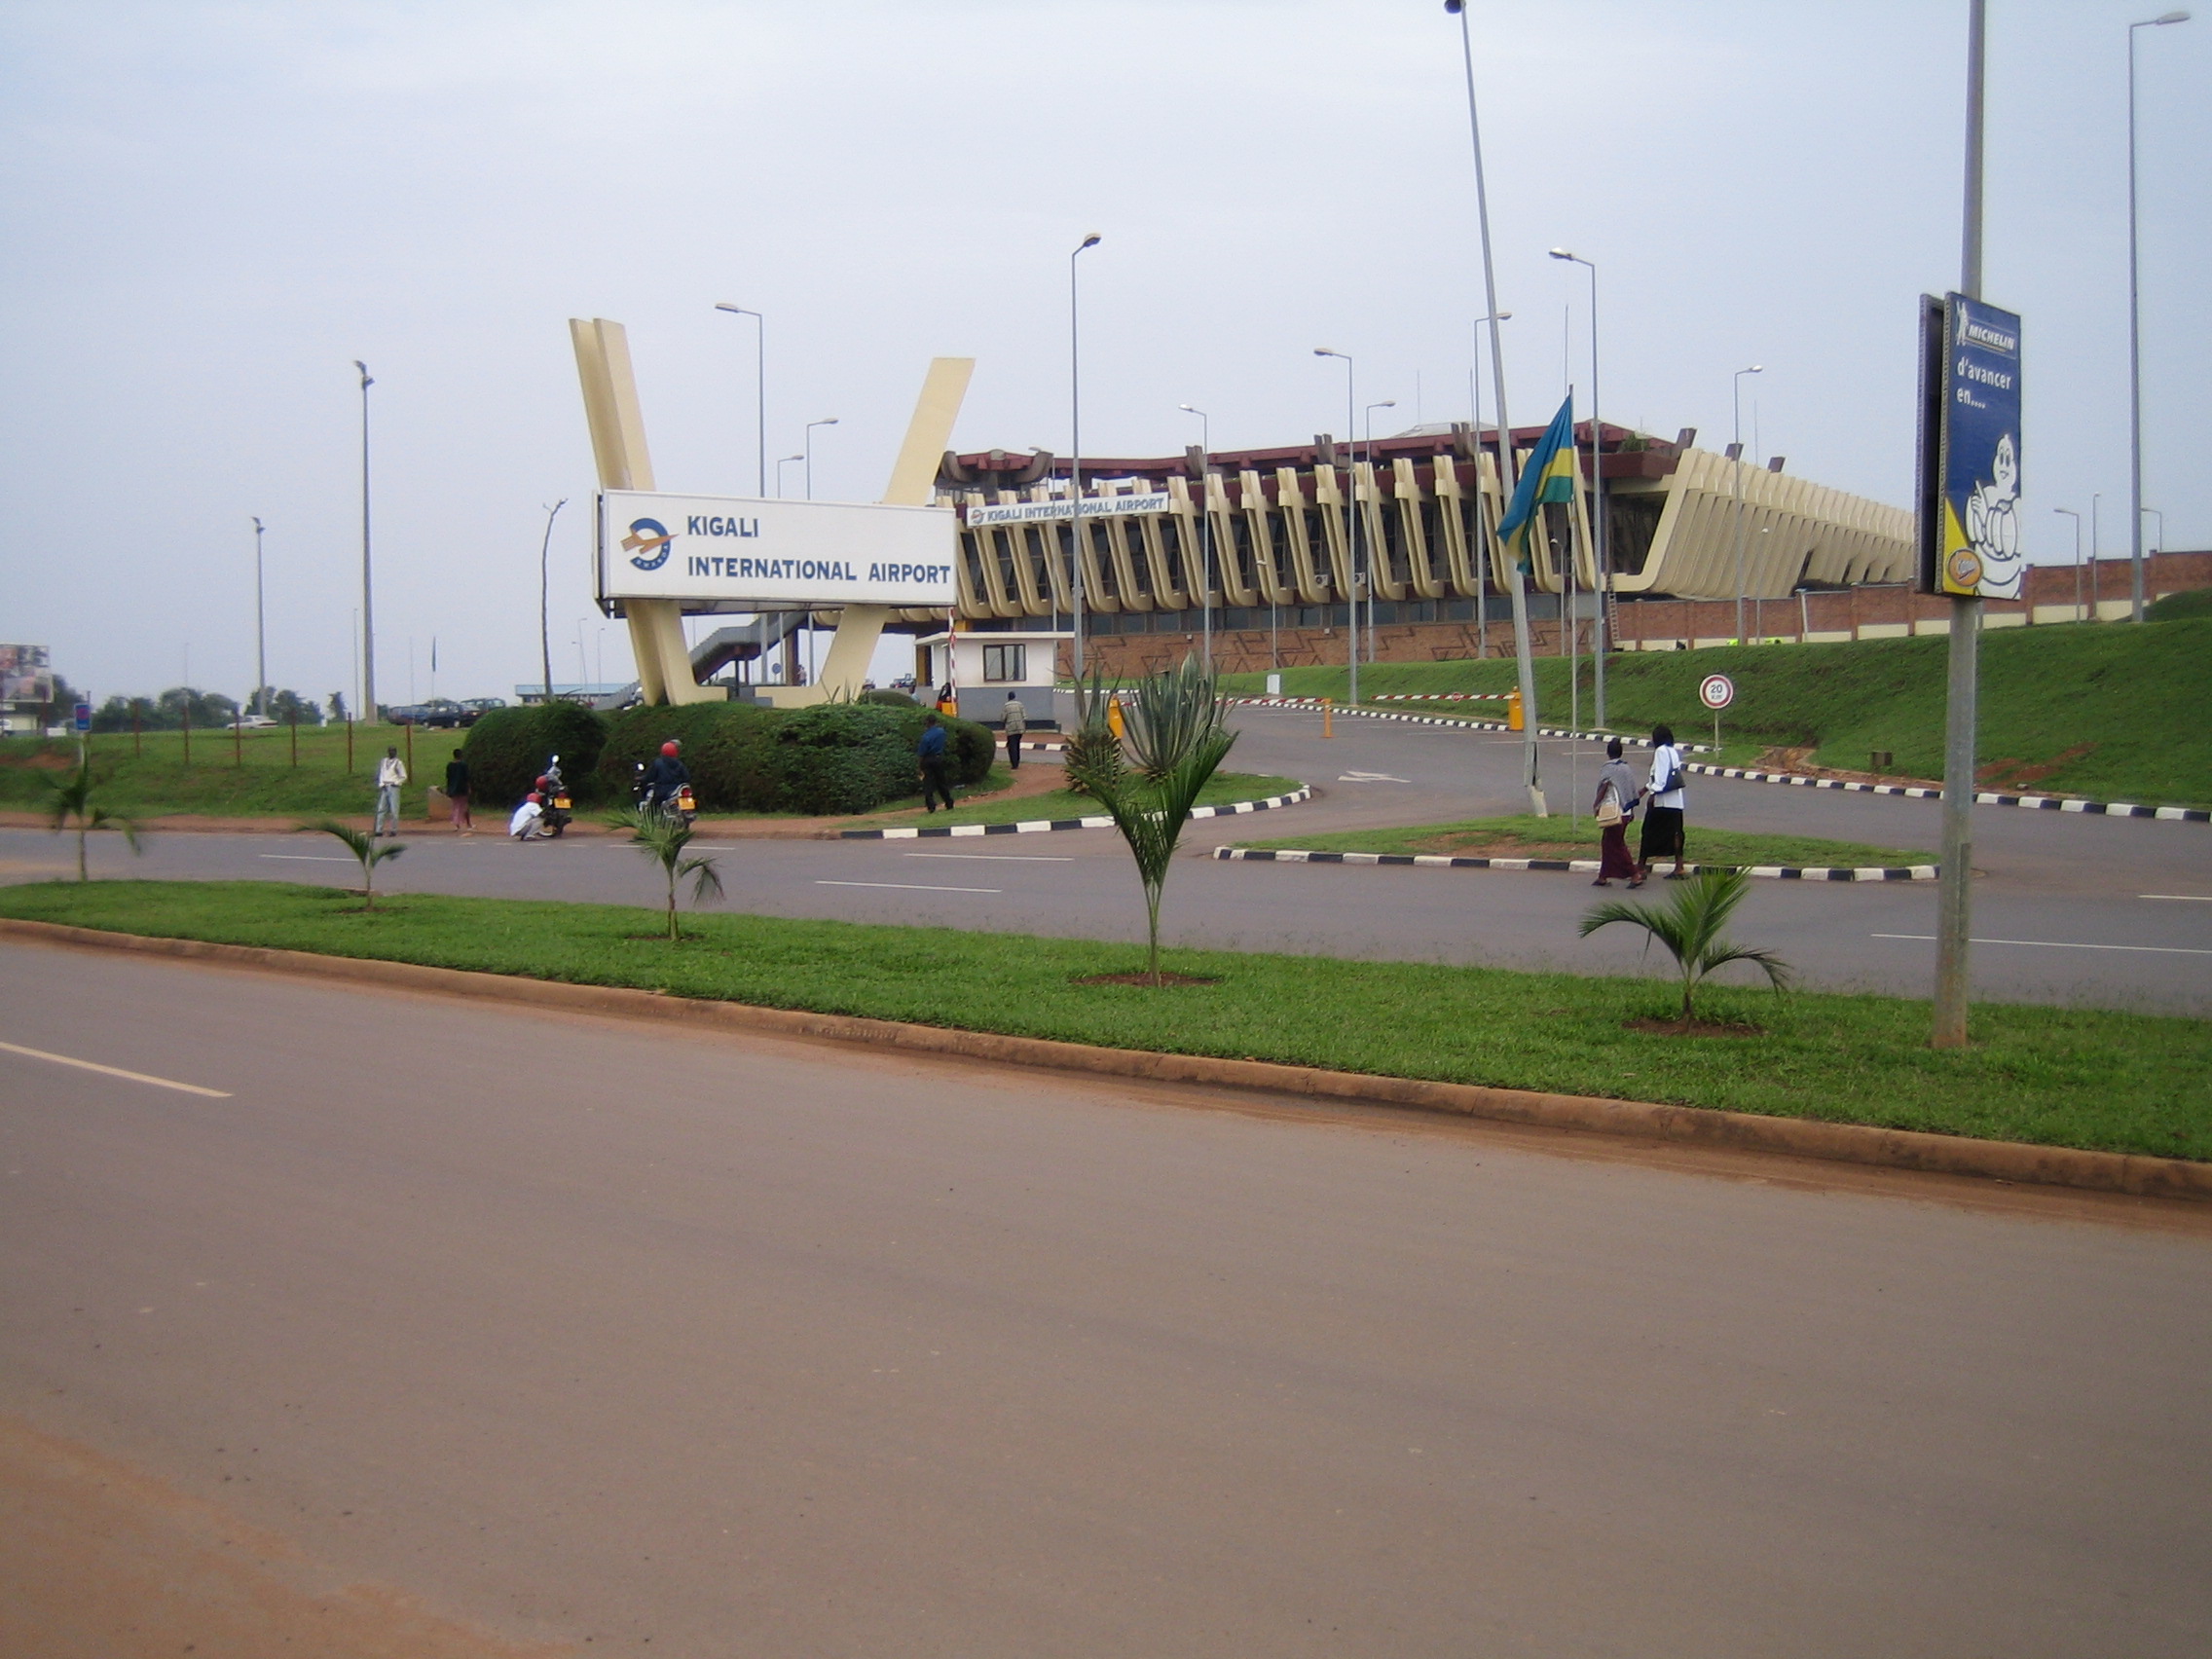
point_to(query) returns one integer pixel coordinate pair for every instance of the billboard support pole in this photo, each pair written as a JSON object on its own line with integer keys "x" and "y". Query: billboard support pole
{"x": 1954, "y": 894}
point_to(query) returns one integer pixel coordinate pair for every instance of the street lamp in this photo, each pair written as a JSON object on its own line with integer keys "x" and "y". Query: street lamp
{"x": 545, "y": 627}
{"x": 782, "y": 463}
{"x": 1205, "y": 529}
{"x": 807, "y": 454}
{"x": 1483, "y": 538}
{"x": 1530, "y": 756}
{"x": 1600, "y": 549}
{"x": 1367, "y": 421}
{"x": 1075, "y": 451}
{"x": 1352, "y": 526}
{"x": 2077, "y": 518}
{"x": 260, "y": 632}
{"x": 368, "y": 615}
{"x": 2134, "y": 333}
{"x": 759, "y": 391}
{"x": 1737, "y": 393}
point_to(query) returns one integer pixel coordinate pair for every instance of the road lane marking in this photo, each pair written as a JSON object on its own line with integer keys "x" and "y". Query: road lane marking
{"x": 2185, "y": 898}
{"x": 1000, "y": 858}
{"x": 1371, "y": 778}
{"x": 2059, "y": 945}
{"x": 116, "y": 1071}
{"x": 306, "y": 858}
{"x": 908, "y": 886}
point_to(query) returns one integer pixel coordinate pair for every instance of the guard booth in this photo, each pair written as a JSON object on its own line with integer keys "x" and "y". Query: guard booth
{"x": 983, "y": 667}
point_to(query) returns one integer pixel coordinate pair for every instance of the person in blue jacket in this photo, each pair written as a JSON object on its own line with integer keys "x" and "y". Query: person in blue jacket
{"x": 936, "y": 763}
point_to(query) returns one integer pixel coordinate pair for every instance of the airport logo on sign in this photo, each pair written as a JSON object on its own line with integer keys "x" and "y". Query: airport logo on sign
{"x": 647, "y": 544}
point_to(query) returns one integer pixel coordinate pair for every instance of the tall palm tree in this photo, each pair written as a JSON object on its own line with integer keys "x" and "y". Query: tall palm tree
{"x": 662, "y": 837}
{"x": 363, "y": 846}
{"x": 1690, "y": 927}
{"x": 74, "y": 799}
{"x": 1177, "y": 739}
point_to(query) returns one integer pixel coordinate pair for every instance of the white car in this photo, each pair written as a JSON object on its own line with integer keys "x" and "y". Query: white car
{"x": 255, "y": 722}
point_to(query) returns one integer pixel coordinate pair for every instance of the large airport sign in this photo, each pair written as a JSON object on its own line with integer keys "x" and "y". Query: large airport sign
{"x": 1041, "y": 512}
{"x": 734, "y": 553}
{"x": 1969, "y": 449}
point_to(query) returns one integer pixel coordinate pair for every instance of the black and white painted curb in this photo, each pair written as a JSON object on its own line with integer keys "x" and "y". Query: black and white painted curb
{"x": 1040, "y": 826}
{"x": 1746, "y": 774}
{"x": 1580, "y": 866}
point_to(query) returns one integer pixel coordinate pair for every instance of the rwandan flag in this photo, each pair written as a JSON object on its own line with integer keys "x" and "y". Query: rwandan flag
{"x": 1549, "y": 476}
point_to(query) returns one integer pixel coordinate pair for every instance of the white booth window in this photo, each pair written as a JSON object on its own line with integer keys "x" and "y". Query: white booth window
{"x": 1003, "y": 663}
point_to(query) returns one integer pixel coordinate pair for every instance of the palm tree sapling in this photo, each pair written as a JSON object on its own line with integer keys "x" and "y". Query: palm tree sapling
{"x": 365, "y": 847}
{"x": 662, "y": 837}
{"x": 1690, "y": 927}
{"x": 74, "y": 799}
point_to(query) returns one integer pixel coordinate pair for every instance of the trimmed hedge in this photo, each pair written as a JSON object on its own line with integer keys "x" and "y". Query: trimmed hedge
{"x": 508, "y": 748}
{"x": 832, "y": 757}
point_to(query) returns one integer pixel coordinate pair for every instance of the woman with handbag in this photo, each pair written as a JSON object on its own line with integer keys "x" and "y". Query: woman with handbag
{"x": 1613, "y": 809}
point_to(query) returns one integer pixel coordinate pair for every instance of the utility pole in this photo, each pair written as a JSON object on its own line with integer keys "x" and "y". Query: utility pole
{"x": 1954, "y": 900}
{"x": 544, "y": 626}
{"x": 260, "y": 631}
{"x": 368, "y": 711}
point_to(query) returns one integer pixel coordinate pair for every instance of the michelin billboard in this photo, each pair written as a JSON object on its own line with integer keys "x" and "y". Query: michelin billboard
{"x": 1971, "y": 545}
{"x": 735, "y": 554}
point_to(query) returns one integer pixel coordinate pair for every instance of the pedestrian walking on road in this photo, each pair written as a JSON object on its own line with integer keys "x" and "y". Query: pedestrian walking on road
{"x": 391, "y": 773}
{"x": 937, "y": 777}
{"x": 456, "y": 794}
{"x": 1017, "y": 722}
{"x": 1614, "y": 810}
{"x": 1663, "y": 818}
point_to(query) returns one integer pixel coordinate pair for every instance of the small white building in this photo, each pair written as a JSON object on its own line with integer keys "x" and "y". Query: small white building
{"x": 983, "y": 667}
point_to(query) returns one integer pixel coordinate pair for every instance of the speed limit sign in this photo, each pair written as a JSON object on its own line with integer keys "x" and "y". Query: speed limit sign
{"x": 1716, "y": 691}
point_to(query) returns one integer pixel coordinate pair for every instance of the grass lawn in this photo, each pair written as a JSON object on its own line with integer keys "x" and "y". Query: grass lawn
{"x": 1529, "y": 837}
{"x": 2086, "y": 1077}
{"x": 251, "y": 776}
{"x": 2105, "y": 709}
{"x": 1222, "y": 789}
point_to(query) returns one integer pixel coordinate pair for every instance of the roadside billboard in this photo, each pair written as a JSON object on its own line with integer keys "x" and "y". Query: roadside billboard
{"x": 736, "y": 554}
{"x": 1970, "y": 543}
{"x": 26, "y": 675}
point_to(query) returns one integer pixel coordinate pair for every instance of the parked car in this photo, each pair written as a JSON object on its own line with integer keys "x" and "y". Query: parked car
{"x": 255, "y": 722}
{"x": 437, "y": 712}
{"x": 479, "y": 706}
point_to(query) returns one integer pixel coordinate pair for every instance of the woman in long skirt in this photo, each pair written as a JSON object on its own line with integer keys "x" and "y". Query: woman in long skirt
{"x": 1616, "y": 784}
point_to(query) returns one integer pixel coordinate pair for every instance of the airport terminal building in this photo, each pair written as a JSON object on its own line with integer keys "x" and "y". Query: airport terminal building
{"x": 1284, "y": 548}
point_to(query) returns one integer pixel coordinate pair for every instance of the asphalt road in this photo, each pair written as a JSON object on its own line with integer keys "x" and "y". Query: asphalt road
{"x": 586, "y": 1334}
{"x": 2065, "y": 902}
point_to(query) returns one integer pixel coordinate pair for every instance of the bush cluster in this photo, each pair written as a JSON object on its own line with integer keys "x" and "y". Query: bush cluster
{"x": 833, "y": 757}
{"x": 508, "y": 748}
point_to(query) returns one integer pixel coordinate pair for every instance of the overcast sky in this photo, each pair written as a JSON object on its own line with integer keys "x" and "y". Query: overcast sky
{"x": 212, "y": 209}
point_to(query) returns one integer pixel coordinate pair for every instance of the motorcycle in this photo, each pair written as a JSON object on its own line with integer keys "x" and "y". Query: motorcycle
{"x": 681, "y": 805}
{"x": 560, "y": 804}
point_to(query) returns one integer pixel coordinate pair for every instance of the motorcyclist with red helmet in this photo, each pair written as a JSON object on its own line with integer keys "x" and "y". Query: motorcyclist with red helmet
{"x": 667, "y": 774}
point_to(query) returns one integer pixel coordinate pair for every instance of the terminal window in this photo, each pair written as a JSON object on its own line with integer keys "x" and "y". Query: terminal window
{"x": 1005, "y": 662}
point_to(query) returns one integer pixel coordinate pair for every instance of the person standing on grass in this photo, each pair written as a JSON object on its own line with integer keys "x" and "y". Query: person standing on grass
{"x": 456, "y": 794}
{"x": 1617, "y": 789}
{"x": 1017, "y": 722}
{"x": 936, "y": 767}
{"x": 391, "y": 773}
{"x": 1663, "y": 818}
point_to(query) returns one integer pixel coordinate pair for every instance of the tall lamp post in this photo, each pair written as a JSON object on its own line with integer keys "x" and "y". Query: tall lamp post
{"x": 1599, "y": 549}
{"x": 368, "y": 615}
{"x": 2077, "y": 518}
{"x": 1367, "y": 422}
{"x": 1352, "y": 526}
{"x": 759, "y": 391}
{"x": 807, "y": 454}
{"x": 1205, "y": 528}
{"x": 1737, "y": 399}
{"x": 544, "y": 588}
{"x": 1530, "y": 758}
{"x": 1483, "y": 538}
{"x": 260, "y": 632}
{"x": 2134, "y": 331}
{"x": 1075, "y": 449}
{"x": 781, "y": 463}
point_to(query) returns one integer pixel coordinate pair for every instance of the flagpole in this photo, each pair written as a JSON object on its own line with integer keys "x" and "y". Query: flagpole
{"x": 1531, "y": 774}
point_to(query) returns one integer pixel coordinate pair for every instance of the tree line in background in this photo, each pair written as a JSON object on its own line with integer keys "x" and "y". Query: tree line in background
{"x": 205, "y": 709}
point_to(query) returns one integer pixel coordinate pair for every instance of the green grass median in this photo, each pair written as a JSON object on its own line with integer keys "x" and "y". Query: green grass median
{"x": 1526, "y": 836}
{"x": 2063, "y": 1077}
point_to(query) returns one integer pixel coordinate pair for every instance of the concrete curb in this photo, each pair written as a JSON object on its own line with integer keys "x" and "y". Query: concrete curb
{"x": 1683, "y": 1125}
{"x": 1044, "y": 826}
{"x": 1750, "y": 775}
{"x": 1579, "y": 866}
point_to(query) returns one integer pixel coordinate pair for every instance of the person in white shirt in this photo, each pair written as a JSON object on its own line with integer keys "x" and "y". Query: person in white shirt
{"x": 523, "y": 826}
{"x": 391, "y": 773}
{"x": 1663, "y": 818}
